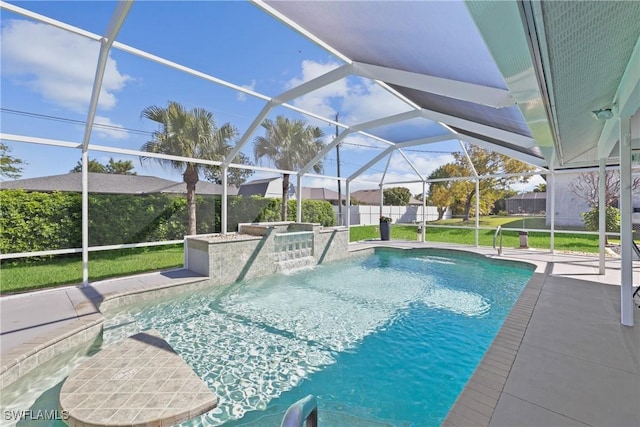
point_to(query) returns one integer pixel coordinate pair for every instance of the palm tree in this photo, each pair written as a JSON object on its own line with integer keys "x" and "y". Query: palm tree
{"x": 185, "y": 133}
{"x": 290, "y": 145}
{"x": 540, "y": 188}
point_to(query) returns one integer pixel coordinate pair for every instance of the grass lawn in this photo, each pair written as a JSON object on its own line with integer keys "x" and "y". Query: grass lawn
{"x": 510, "y": 239}
{"x": 17, "y": 276}
{"x": 511, "y": 221}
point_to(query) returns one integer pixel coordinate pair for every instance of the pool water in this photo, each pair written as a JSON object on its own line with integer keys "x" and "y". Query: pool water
{"x": 388, "y": 339}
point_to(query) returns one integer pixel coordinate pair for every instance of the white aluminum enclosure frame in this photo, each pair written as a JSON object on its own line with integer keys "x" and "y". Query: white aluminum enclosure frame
{"x": 526, "y": 92}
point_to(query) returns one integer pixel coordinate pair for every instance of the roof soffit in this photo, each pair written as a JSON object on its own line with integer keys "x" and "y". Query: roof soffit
{"x": 589, "y": 46}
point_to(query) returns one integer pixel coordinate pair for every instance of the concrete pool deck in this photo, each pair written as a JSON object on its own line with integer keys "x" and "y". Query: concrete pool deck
{"x": 561, "y": 358}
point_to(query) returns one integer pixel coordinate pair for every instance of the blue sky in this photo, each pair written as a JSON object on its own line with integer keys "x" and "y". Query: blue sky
{"x": 48, "y": 72}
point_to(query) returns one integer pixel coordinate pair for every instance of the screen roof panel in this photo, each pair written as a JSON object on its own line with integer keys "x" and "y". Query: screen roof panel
{"x": 508, "y": 118}
{"x": 423, "y": 37}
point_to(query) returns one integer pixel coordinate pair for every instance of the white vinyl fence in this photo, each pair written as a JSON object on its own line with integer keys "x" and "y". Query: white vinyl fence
{"x": 369, "y": 215}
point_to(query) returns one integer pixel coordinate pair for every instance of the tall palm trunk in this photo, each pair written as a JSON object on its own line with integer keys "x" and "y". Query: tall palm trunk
{"x": 285, "y": 195}
{"x": 190, "y": 177}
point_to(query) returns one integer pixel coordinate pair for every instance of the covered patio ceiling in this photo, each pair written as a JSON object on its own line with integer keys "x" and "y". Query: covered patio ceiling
{"x": 520, "y": 78}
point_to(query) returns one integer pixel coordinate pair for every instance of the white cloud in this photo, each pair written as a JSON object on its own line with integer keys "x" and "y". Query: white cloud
{"x": 399, "y": 170}
{"x": 56, "y": 64}
{"x": 529, "y": 186}
{"x": 331, "y": 184}
{"x": 367, "y": 101}
{"x": 241, "y": 96}
{"x": 357, "y": 100}
{"x": 318, "y": 101}
{"x": 425, "y": 163}
{"x": 113, "y": 131}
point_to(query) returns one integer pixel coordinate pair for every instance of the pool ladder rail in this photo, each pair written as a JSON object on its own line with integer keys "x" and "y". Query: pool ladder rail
{"x": 303, "y": 412}
{"x": 495, "y": 238}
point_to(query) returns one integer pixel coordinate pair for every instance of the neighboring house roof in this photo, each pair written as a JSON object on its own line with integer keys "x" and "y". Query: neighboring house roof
{"x": 372, "y": 197}
{"x": 321, "y": 193}
{"x": 530, "y": 195}
{"x": 367, "y": 197}
{"x": 111, "y": 183}
{"x": 260, "y": 187}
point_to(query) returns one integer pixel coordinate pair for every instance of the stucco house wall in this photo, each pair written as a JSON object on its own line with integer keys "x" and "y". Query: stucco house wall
{"x": 569, "y": 206}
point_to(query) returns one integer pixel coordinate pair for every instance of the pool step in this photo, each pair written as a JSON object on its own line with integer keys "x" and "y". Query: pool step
{"x": 139, "y": 381}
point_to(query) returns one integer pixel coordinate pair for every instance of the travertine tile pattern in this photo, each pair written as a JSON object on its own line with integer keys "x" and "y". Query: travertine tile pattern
{"x": 139, "y": 381}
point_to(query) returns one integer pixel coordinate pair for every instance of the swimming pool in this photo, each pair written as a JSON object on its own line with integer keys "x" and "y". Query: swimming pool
{"x": 388, "y": 339}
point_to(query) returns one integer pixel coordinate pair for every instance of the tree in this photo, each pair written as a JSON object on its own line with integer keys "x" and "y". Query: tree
{"x": 94, "y": 166}
{"x": 440, "y": 193}
{"x": 591, "y": 220}
{"x": 490, "y": 189}
{"x": 116, "y": 167}
{"x": 585, "y": 186}
{"x": 540, "y": 188}
{"x": 120, "y": 167}
{"x": 396, "y": 196}
{"x": 185, "y": 133}
{"x": 235, "y": 176}
{"x": 290, "y": 145}
{"x": 10, "y": 167}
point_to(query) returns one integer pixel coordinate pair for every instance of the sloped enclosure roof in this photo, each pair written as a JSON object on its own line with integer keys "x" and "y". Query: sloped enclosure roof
{"x": 521, "y": 78}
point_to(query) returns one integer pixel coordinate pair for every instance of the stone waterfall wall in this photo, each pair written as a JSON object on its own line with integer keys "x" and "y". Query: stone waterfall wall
{"x": 253, "y": 251}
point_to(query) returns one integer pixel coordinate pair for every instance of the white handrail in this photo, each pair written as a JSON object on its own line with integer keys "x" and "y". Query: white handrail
{"x": 304, "y": 411}
{"x": 495, "y": 237}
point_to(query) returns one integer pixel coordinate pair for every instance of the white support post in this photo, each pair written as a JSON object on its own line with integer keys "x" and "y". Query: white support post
{"x": 626, "y": 233}
{"x": 602, "y": 210}
{"x": 223, "y": 208}
{"x": 381, "y": 198}
{"x": 299, "y": 198}
{"x": 552, "y": 195}
{"x": 85, "y": 217}
{"x": 348, "y": 204}
{"x": 117, "y": 19}
{"x": 477, "y": 212}
{"x": 424, "y": 211}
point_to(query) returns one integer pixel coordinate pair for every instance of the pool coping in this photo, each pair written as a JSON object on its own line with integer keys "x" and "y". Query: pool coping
{"x": 25, "y": 357}
{"x": 479, "y": 398}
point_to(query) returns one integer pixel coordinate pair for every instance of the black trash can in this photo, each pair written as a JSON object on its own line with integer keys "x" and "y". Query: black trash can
{"x": 385, "y": 230}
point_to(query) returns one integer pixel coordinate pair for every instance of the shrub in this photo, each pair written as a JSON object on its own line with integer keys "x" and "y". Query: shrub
{"x": 35, "y": 221}
{"x": 591, "y": 219}
{"x": 314, "y": 211}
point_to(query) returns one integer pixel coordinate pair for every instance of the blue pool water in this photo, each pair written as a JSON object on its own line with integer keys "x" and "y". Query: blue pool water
{"x": 385, "y": 340}
{"x": 389, "y": 339}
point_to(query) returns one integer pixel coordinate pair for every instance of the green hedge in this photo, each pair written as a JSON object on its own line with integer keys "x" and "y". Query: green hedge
{"x": 315, "y": 211}
{"x": 33, "y": 221}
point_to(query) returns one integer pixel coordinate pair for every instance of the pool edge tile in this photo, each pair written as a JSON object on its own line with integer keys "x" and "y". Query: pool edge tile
{"x": 479, "y": 398}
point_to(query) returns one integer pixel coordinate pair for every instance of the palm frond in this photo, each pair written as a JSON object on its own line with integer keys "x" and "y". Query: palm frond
{"x": 289, "y": 144}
